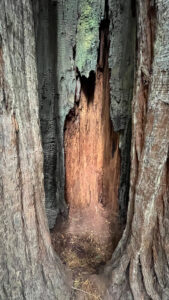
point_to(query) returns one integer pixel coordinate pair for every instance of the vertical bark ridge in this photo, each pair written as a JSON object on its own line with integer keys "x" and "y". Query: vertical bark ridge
{"x": 149, "y": 162}
{"x": 29, "y": 268}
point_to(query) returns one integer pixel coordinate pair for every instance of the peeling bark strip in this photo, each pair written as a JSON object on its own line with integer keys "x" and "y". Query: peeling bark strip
{"x": 29, "y": 268}
{"x": 140, "y": 268}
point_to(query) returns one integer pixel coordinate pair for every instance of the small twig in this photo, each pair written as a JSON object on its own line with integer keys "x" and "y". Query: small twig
{"x": 85, "y": 292}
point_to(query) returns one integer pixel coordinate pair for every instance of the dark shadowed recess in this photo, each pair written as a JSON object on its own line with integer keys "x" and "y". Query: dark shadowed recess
{"x": 88, "y": 85}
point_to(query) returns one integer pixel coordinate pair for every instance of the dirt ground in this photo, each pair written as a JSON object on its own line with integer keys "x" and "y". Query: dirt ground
{"x": 85, "y": 242}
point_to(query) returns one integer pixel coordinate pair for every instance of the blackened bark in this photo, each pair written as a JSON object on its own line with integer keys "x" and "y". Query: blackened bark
{"x": 122, "y": 64}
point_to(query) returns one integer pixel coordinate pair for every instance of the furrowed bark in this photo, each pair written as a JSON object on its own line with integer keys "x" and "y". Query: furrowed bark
{"x": 29, "y": 268}
{"x": 140, "y": 260}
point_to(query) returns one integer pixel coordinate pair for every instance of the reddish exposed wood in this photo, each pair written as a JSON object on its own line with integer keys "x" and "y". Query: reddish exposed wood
{"x": 92, "y": 158}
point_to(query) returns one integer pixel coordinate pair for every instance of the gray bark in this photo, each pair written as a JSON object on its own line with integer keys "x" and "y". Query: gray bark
{"x": 29, "y": 268}
{"x": 140, "y": 262}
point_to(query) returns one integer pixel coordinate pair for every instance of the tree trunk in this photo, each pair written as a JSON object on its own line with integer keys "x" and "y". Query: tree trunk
{"x": 29, "y": 268}
{"x": 140, "y": 262}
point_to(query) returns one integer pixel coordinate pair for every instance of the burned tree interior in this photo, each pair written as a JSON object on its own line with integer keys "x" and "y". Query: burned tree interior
{"x": 85, "y": 128}
{"x": 92, "y": 175}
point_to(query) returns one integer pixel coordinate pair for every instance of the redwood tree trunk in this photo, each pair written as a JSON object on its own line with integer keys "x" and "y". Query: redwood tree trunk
{"x": 140, "y": 262}
{"x": 29, "y": 268}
